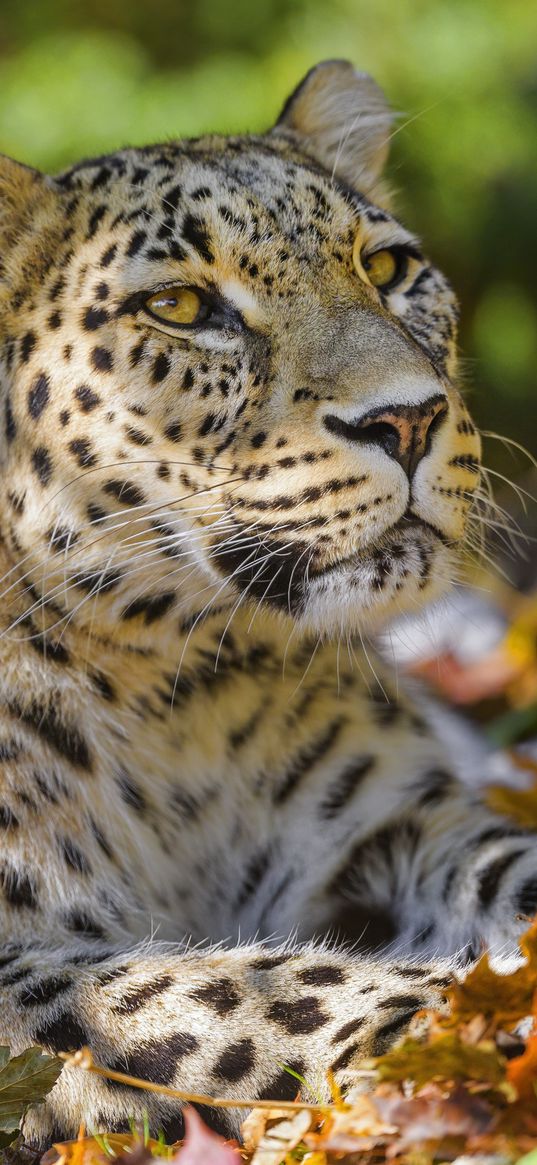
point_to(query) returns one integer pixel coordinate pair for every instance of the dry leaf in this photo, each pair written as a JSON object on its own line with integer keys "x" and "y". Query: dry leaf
{"x": 446, "y": 1057}
{"x": 282, "y": 1138}
{"x": 522, "y": 1073}
{"x": 432, "y": 1116}
{"x": 253, "y": 1127}
{"x": 203, "y": 1147}
{"x": 503, "y": 999}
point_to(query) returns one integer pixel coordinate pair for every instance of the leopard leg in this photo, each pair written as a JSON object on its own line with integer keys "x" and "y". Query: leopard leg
{"x": 218, "y": 1022}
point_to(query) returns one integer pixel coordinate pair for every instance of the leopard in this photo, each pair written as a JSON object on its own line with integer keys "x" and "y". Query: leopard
{"x": 234, "y": 447}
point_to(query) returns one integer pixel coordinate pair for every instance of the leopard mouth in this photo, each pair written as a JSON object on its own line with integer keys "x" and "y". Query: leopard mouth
{"x": 283, "y": 577}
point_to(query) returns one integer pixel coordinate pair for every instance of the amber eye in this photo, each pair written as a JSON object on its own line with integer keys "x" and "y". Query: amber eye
{"x": 177, "y": 305}
{"x": 381, "y": 267}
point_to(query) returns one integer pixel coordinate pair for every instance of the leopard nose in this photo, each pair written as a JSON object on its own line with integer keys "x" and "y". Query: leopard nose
{"x": 404, "y": 432}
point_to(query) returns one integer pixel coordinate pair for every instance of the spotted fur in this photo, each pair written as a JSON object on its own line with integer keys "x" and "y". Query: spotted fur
{"x": 198, "y": 526}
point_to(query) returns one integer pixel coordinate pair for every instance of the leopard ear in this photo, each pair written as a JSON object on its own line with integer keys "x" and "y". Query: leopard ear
{"x": 28, "y": 205}
{"x": 343, "y": 120}
{"x": 21, "y": 189}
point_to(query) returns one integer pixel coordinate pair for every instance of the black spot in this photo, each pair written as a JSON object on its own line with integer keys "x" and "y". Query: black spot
{"x": 256, "y": 870}
{"x": 153, "y": 607}
{"x": 96, "y": 217}
{"x": 62, "y": 1034}
{"x": 27, "y": 346}
{"x": 221, "y": 995}
{"x": 82, "y": 449}
{"x": 188, "y": 378}
{"x": 137, "y": 437}
{"x": 489, "y": 878}
{"x": 269, "y": 962}
{"x": 283, "y": 1086}
{"x": 103, "y": 685}
{"x": 65, "y": 417}
{"x": 388, "y": 1032}
{"x": 131, "y": 794}
{"x": 79, "y": 923}
{"x": 258, "y": 440}
{"x": 137, "y": 997}
{"x": 109, "y": 256}
{"x": 173, "y": 432}
{"x": 300, "y": 1016}
{"x": 155, "y": 1060}
{"x": 306, "y": 759}
{"x": 61, "y": 735}
{"x": 345, "y": 786}
{"x": 236, "y": 1061}
{"x": 408, "y": 1002}
{"x": 87, "y": 397}
{"x": 347, "y": 1030}
{"x": 98, "y": 581}
{"x": 11, "y": 428}
{"x": 19, "y": 888}
{"x": 38, "y": 994}
{"x": 194, "y": 231}
{"x": 161, "y": 367}
{"x": 73, "y": 856}
{"x": 95, "y": 513}
{"x": 42, "y": 464}
{"x": 345, "y": 1058}
{"x": 8, "y": 820}
{"x": 526, "y": 898}
{"x": 136, "y": 243}
{"x": 60, "y": 537}
{"x": 322, "y": 976}
{"x": 94, "y": 317}
{"x": 125, "y": 492}
{"x": 102, "y": 359}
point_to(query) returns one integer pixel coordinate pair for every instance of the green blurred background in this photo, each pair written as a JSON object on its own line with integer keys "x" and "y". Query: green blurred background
{"x": 83, "y": 78}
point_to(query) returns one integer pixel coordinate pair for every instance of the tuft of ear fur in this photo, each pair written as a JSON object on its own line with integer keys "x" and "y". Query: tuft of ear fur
{"x": 343, "y": 120}
{"x": 27, "y": 203}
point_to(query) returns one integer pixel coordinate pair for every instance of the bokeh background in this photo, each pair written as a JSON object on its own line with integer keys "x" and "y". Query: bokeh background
{"x": 79, "y": 78}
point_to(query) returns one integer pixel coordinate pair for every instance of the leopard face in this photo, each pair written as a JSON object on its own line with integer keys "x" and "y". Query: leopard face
{"x": 229, "y": 373}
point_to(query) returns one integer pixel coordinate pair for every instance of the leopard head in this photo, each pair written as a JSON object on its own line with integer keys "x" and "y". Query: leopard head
{"x": 229, "y": 373}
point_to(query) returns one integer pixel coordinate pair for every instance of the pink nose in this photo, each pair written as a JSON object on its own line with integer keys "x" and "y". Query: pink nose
{"x": 404, "y": 432}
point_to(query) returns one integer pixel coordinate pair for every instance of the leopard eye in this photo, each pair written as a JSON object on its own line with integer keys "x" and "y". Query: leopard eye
{"x": 178, "y": 305}
{"x": 383, "y": 268}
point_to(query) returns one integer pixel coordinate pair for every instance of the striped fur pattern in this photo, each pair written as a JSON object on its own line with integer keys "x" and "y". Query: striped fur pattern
{"x": 228, "y": 843}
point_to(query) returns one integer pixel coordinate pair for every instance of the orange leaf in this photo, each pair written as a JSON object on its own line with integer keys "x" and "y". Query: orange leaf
{"x": 503, "y": 999}
{"x": 522, "y": 1073}
{"x": 445, "y": 1058}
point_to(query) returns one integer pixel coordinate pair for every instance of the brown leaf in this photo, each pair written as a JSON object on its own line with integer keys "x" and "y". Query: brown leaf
{"x": 503, "y": 999}
{"x": 432, "y": 1116}
{"x": 281, "y": 1139}
{"x": 446, "y": 1057}
{"x": 203, "y": 1147}
{"x": 522, "y": 1073}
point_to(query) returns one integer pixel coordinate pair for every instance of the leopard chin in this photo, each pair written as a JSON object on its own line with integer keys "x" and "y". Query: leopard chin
{"x": 411, "y": 564}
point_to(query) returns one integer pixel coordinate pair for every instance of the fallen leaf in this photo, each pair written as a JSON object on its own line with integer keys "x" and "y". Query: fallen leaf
{"x": 281, "y": 1139}
{"x": 432, "y": 1116}
{"x": 446, "y": 1057}
{"x": 255, "y": 1124}
{"x": 503, "y": 999}
{"x": 522, "y": 1073}
{"x": 203, "y": 1147}
{"x": 24, "y": 1080}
